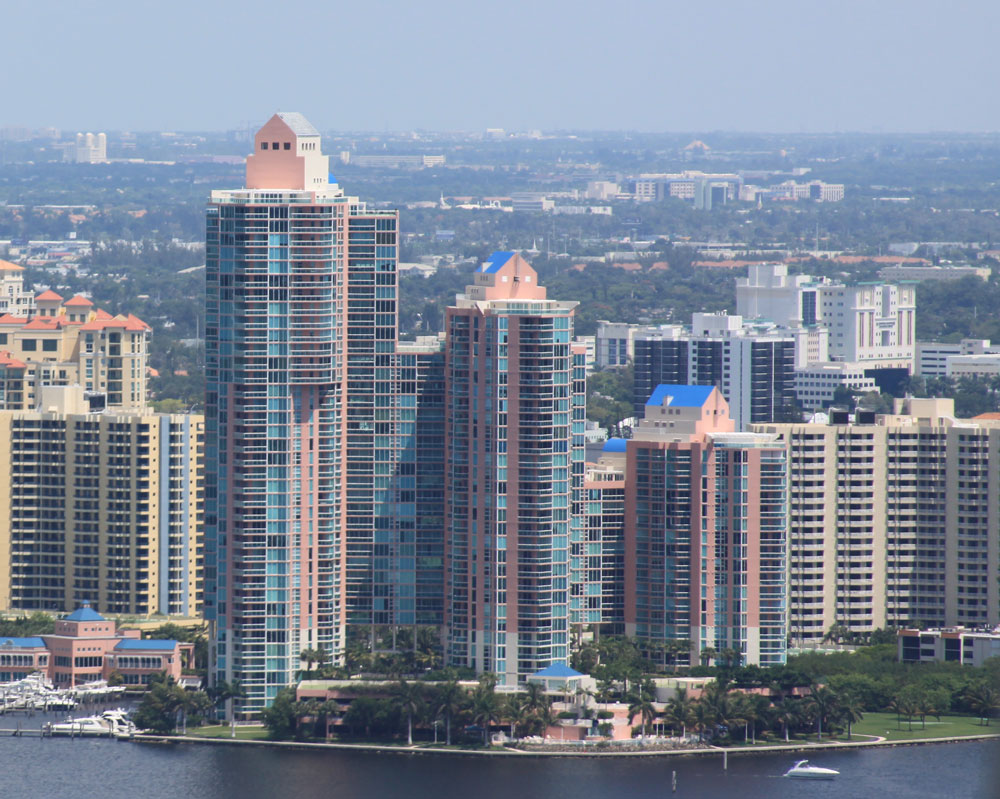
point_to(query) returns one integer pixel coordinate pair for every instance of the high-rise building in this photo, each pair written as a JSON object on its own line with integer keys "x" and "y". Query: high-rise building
{"x": 102, "y": 507}
{"x": 892, "y": 520}
{"x": 752, "y": 365}
{"x": 71, "y": 342}
{"x": 514, "y": 418}
{"x": 597, "y": 560}
{"x": 301, "y": 283}
{"x": 870, "y": 323}
{"x": 90, "y": 148}
{"x": 769, "y": 292}
{"x": 409, "y": 575}
{"x": 705, "y": 529}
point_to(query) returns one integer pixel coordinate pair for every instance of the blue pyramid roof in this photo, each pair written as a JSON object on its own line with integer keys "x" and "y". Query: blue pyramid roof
{"x": 85, "y": 613}
{"x": 680, "y": 396}
{"x": 498, "y": 259}
{"x": 558, "y": 671}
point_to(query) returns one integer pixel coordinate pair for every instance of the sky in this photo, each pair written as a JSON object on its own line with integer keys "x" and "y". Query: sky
{"x": 784, "y": 66}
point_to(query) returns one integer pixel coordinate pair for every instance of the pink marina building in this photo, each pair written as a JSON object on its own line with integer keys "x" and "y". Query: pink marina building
{"x": 85, "y": 647}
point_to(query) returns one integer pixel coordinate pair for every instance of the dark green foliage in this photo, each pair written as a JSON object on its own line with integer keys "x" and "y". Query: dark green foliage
{"x": 166, "y": 701}
{"x": 37, "y": 623}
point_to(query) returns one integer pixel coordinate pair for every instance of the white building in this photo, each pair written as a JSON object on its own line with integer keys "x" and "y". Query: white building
{"x": 985, "y": 365}
{"x": 769, "y": 293}
{"x": 91, "y": 148}
{"x": 931, "y": 357}
{"x": 531, "y": 201}
{"x": 602, "y": 190}
{"x": 615, "y": 341}
{"x": 816, "y": 383}
{"x": 871, "y": 323}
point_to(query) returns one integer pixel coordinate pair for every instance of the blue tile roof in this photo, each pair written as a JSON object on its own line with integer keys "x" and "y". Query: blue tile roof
{"x": 86, "y": 613}
{"x": 24, "y": 643}
{"x": 495, "y": 261}
{"x": 615, "y": 445}
{"x": 557, "y": 670}
{"x": 146, "y": 643}
{"x": 681, "y": 396}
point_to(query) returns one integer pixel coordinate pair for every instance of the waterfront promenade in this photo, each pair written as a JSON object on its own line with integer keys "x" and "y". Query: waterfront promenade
{"x": 558, "y": 750}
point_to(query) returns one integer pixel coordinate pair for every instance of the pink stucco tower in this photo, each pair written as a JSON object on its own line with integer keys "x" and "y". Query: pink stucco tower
{"x": 301, "y": 288}
{"x": 515, "y": 404}
{"x": 705, "y": 529}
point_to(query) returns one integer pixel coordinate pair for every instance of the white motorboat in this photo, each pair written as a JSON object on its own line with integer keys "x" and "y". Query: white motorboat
{"x": 803, "y": 771}
{"x": 109, "y": 723}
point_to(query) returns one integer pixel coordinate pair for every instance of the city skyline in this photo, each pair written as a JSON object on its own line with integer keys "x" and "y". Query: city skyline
{"x": 892, "y": 66}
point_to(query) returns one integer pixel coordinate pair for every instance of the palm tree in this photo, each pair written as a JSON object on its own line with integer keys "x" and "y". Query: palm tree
{"x": 851, "y": 711}
{"x": 679, "y": 711}
{"x": 485, "y": 710}
{"x": 535, "y": 696}
{"x": 902, "y": 705}
{"x": 985, "y": 700}
{"x": 449, "y": 700}
{"x": 515, "y": 710}
{"x": 310, "y": 656}
{"x": 756, "y": 708}
{"x": 605, "y": 691}
{"x": 822, "y": 702}
{"x": 642, "y": 705}
{"x": 328, "y": 710}
{"x": 675, "y": 648}
{"x": 228, "y": 692}
{"x": 704, "y": 717}
{"x": 707, "y": 654}
{"x": 787, "y": 714}
{"x": 410, "y": 697}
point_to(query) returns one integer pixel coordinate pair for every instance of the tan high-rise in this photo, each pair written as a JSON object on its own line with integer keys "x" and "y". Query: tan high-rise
{"x": 100, "y": 507}
{"x": 893, "y": 519}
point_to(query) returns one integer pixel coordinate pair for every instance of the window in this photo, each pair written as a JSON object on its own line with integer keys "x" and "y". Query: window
{"x": 274, "y": 146}
{"x": 263, "y": 145}
{"x": 49, "y": 345}
{"x": 29, "y": 345}
{"x": 288, "y": 146}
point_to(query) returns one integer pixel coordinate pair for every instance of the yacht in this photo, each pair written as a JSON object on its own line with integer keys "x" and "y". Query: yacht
{"x": 803, "y": 771}
{"x": 110, "y": 723}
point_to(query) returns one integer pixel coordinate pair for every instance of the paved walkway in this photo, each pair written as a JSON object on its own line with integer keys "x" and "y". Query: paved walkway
{"x": 418, "y": 749}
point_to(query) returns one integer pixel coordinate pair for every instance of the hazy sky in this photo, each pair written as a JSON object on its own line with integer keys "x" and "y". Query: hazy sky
{"x": 756, "y": 65}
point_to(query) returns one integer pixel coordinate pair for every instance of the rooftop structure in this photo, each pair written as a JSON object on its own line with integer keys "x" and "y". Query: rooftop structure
{"x": 71, "y": 342}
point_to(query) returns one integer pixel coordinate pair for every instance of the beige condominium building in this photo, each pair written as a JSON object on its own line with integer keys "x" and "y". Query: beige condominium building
{"x": 893, "y": 520}
{"x": 68, "y": 342}
{"x": 102, "y": 507}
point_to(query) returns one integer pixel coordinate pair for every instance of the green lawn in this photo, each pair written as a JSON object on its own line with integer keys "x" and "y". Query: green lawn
{"x": 880, "y": 723}
{"x": 223, "y": 731}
